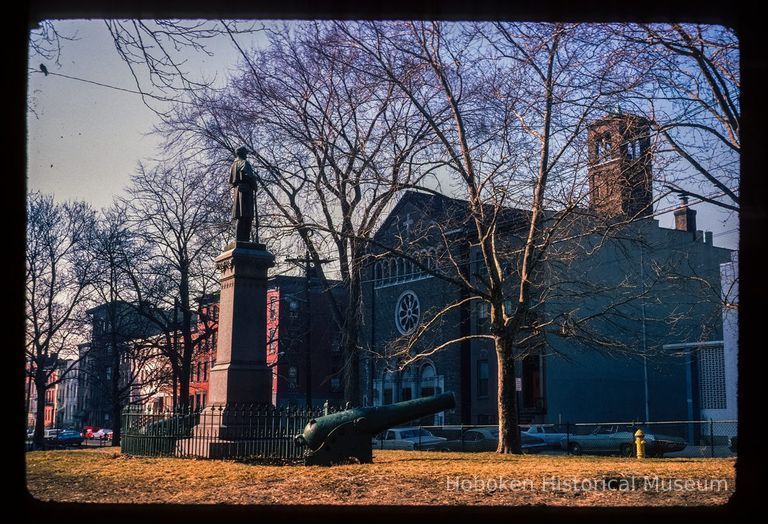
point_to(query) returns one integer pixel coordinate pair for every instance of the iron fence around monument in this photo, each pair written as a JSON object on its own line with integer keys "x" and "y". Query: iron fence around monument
{"x": 240, "y": 432}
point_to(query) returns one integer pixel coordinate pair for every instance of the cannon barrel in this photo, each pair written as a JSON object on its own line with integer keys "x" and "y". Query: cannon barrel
{"x": 373, "y": 420}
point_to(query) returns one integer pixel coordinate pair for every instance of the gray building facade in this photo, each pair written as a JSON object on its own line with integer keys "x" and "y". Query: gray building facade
{"x": 615, "y": 291}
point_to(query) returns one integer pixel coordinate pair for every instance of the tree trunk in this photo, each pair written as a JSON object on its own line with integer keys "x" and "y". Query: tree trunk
{"x": 40, "y": 387}
{"x": 116, "y": 415}
{"x": 351, "y": 337}
{"x": 187, "y": 348}
{"x": 509, "y": 428}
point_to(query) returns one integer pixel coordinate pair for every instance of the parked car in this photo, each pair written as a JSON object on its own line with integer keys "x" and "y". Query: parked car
{"x": 67, "y": 437}
{"x": 547, "y": 432}
{"x": 50, "y": 434}
{"x": 406, "y": 438}
{"x": 487, "y": 439}
{"x": 613, "y": 439}
{"x": 103, "y": 434}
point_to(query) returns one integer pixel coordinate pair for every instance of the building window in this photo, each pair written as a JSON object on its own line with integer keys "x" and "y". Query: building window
{"x": 205, "y": 370}
{"x": 508, "y": 307}
{"x": 482, "y": 378}
{"x": 483, "y": 311}
{"x": 293, "y": 377}
{"x": 712, "y": 378}
{"x": 273, "y": 305}
{"x": 293, "y": 308}
{"x": 406, "y": 394}
{"x": 633, "y": 149}
{"x": 603, "y": 147}
{"x": 407, "y": 313}
{"x": 428, "y": 385}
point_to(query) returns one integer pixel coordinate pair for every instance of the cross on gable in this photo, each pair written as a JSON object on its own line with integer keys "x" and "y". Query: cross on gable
{"x": 408, "y": 222}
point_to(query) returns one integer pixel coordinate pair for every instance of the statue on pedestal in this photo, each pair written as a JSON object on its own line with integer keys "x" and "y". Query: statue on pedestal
{"x": 244, "y": 184}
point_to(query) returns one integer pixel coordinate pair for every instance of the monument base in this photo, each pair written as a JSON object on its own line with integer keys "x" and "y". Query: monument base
{"x": 240, "y": 384}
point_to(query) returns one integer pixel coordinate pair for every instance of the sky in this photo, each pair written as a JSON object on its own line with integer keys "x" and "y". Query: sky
{"x": 85, "y": 141}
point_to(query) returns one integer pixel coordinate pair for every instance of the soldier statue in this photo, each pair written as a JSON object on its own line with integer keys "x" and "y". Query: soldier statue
{"x": 244, "y": 185}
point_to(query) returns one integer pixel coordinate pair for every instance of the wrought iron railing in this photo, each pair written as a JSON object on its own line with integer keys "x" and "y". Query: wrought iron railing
{"x": 230, "y": 432}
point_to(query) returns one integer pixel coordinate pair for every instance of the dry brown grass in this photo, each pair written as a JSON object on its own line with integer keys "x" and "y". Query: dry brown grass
{"x": 395, "y": 478}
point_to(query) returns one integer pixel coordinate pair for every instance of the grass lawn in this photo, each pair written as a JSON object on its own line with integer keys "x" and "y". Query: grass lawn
{"x": 395, "y": 478}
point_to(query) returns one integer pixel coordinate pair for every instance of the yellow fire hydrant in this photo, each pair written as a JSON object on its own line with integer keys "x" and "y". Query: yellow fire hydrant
{"x": 640, "y": 443}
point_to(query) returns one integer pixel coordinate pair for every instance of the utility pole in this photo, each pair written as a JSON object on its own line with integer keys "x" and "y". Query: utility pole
{"x": 308, "y": 264}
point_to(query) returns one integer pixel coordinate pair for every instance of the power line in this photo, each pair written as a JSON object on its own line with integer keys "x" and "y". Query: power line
{"x": 118, "y": 88}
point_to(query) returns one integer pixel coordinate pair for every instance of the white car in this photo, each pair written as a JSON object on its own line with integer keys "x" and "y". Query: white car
{"x": 103, "y": 434}
{"x": 547, "y": 432}
{"x": 406, "y": 438}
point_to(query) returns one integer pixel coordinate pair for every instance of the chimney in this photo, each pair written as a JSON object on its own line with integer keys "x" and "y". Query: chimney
{"x": 685, "y": 217}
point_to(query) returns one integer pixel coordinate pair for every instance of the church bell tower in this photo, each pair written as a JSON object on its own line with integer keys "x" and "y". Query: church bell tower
{"x": 620, "y": 182}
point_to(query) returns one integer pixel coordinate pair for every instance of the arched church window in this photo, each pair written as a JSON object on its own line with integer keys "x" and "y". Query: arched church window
{"x": 428, "y": 381}
{"x": 603, "y": 147}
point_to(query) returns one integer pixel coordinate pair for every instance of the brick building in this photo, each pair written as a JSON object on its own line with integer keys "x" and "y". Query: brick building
{"x": 51, "y": 402}
{"x": 303, "y": 345}
{"x": 296, "y": 341}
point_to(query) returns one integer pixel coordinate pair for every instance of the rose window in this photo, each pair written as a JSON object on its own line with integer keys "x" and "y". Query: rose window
{"x": 407, "y": 313}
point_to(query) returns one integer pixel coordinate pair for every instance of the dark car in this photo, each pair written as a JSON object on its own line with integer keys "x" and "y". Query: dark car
{"x": 487, "y": 439}
{"x": 65, "y": 438}
{"x": 616, "y": 439}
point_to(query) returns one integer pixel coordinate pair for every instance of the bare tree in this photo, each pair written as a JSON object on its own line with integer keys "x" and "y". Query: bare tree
{"x": 510, "y": 104}
{"x": 58, "y": 286}
{"x": 132, "y": 340}
{"x": 178, "y": 212}
{"x": 693, "y": 93}
{"x": 334, "y": 148}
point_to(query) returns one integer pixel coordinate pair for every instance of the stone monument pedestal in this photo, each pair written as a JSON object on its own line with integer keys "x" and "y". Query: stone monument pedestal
{"x": 240, "y": 378}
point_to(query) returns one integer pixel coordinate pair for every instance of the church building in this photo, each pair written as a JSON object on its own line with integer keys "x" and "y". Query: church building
{"x": 614, "y": 290}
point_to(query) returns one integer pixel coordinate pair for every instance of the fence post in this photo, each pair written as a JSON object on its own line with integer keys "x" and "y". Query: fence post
{"x": 567, "y": 438}
{"x": 462, "y": 437}
{"x": 711, "y": 438}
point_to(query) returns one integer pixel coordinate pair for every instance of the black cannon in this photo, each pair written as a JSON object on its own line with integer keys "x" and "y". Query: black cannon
{"x": 339, "y": 436}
